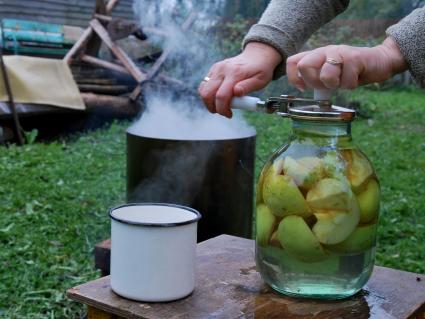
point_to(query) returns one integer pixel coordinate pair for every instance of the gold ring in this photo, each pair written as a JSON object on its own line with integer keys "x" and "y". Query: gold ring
{"x": 333, "y": 61}
{"x": 206, "y": 79}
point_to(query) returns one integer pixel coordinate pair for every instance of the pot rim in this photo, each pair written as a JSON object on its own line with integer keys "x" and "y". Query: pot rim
{"x": 187, "y": 222}
{"x": 242, "y": 137}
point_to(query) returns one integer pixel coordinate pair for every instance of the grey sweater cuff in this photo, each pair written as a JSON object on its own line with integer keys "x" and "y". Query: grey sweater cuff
{"x": 275, "y": 38}
{"x": 409, "y": 34}
{"x": 287, "y": 24}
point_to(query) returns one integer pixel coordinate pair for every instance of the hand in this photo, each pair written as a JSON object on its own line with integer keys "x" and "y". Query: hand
{"x": 358, "y": 66}
{"x": 249, "y": 71}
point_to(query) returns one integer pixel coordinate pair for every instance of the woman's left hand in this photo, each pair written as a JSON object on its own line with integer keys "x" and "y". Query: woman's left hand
{"x": 345, "y": 67}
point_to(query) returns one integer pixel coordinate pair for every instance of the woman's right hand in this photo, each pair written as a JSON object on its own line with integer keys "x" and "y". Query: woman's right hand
{"x": 249, "y": 71}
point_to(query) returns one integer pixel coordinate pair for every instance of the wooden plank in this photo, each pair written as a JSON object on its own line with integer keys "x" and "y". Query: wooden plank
{"x": 93, "y": 46}
{"x": 154, "y": 70}
{"x": 111, "y": 5}
{"x": 118, "y": 52}
{"x": 228, "y": 286}
{"x": 82, "y": 41}
{"x": 103, "y": 63}
{"x": 76, "y": 12}
{"x": 93, "y": 313}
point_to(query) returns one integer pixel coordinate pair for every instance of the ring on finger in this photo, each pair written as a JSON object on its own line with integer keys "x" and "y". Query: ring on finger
{"x": 206, "y": 79}
{"x": 333, "y": 61}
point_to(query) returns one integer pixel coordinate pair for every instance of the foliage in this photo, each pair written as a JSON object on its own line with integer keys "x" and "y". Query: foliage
{"x": 229, "y": 35}
{"x": 54, "y": 200}
{"x": 381, "y": 8}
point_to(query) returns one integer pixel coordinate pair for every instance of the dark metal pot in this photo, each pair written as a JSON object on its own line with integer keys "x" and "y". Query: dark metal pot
{"x": 214, "y": 177}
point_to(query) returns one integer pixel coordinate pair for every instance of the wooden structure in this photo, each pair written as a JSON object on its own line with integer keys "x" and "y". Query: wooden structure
{"x": 65, "y": 12}
{"x": 87, "y": 47}
{"x": 228, "y": 286}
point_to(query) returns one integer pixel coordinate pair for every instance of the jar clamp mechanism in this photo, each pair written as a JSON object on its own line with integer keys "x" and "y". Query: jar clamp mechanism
{"x": 291, "y": 106}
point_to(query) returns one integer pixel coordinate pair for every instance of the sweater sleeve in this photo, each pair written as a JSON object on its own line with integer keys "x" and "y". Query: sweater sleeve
{"x": 409, "y": 34}
{"x": 287, "y": 24}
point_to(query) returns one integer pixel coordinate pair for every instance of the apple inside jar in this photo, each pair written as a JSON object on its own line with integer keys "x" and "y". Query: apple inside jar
{"x": 340, "y": 194}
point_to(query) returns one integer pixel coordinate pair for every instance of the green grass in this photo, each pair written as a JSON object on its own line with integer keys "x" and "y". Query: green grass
{"x": 55, "y": 197}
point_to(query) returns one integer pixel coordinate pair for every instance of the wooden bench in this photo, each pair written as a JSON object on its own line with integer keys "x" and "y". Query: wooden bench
{"x": 228, "y": 286}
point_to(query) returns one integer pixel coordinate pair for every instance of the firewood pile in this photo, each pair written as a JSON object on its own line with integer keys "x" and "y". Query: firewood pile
{"x": 115, "y": 84}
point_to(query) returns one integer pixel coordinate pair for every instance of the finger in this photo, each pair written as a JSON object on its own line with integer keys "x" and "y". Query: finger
{"x": 309, "y": 67}
{"x": 224, "y": 96}
{"x": 292, "y": 70}
{"x": 208, "y": 91}
{"x": 330, "y": 74}
{"x": 249, "y": 85}
{"x": 349, "y": 76}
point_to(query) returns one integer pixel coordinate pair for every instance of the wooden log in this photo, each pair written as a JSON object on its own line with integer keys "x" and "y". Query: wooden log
{"x": 113, "y": 105}
{"x": 104, "y": 64}
{"x": 102, "y": 81}
{"x": 104, "y": 89}
{"x": 117, "y": 51}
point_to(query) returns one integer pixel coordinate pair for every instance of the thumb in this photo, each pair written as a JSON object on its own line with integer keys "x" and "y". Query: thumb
{"x": 249, "y": 85}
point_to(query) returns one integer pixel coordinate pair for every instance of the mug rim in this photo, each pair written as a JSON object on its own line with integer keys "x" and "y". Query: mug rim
{"x": 198, "y": 215}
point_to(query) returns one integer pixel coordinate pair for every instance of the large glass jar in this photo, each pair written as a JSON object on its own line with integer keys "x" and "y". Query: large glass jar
{"x": 317, "y": 210}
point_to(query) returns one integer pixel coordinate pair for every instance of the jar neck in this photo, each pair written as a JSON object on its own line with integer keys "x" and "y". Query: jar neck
{"x": 321, "y": 132}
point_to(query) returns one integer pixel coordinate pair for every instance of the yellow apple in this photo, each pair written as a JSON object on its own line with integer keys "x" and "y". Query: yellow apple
{"x": 305, "y": 172}
{"x": 297, "y": 239}
{"x": 369, "y": 202}
{"x": 330, "y": 193}
{"x": 358, "y": 168}
{"x": 335, "y": 226}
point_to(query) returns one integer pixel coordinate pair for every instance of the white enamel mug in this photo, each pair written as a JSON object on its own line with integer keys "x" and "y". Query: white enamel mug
{"x": 153, "y": 248}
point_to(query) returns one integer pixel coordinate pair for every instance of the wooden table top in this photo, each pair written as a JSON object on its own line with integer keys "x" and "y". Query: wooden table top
{"x": 228, "y": 286}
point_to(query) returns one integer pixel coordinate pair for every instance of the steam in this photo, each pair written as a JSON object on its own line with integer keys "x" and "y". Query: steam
{"x": 172, "y": 119}
{"x": 176, "y": 115}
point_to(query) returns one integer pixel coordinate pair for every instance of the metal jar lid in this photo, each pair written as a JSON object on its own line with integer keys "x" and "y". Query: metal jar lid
{"x": 322, "y": 111}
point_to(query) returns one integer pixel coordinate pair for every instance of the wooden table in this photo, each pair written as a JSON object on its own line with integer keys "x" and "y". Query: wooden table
{"x": 228, "y": 286}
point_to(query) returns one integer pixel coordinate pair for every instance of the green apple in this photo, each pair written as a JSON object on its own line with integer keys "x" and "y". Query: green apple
{"x": 282, "y": 196}
{"x": 330, "y": 193}
{"x": 362, "y": 238}
{"x": 369, "y": 202}
{"x": 305, "y": 172}
{"x": 335, "y": 226}
{"x": 265, "y": 222}
{"x": 358, "y": 169}
{"x": 297, "y": 239}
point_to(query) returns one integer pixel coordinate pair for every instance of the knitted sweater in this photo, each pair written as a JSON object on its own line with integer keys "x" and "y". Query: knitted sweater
{"x": 287, "y": 24}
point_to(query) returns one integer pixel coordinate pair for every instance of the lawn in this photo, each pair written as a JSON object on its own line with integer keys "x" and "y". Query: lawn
{"x": 55, "y": 197}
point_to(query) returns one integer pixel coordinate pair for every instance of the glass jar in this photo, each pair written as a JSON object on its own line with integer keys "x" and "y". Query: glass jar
{"x": 317, "y": 209}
